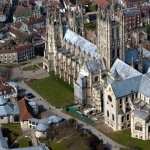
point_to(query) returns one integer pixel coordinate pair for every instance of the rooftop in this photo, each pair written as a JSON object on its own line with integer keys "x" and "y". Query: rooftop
{"x": 80, "y": 42}
{"x": 123, "y": 71}
{"x": 102, "y": 3}
{"x": 25, "y": 112}
{"x": 141, "y": 114}
{"x": 128, "y": 81}
{"x": 131, "y": 12}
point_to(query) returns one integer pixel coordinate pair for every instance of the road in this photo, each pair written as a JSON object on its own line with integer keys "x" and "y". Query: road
{"x": 112, "y": 144}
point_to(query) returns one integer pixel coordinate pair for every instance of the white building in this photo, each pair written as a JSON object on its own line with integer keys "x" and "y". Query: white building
{"x": 9, "y": 112}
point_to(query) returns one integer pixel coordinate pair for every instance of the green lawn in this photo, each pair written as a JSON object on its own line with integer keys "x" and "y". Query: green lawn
{"x": 24, "y": 142}
{"x": 90, "y": 26}
{"x": 123, "y": 137}
{"x": 13, "y": 133}
{"x": 58, "y": 146}
{"x": 54, "y": 90}
{"x": 74, "y": 142}
{"x": 14, "y": 128}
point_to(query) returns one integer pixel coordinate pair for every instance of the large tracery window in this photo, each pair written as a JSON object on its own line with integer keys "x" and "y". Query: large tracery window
{"x": 138, "y": 126}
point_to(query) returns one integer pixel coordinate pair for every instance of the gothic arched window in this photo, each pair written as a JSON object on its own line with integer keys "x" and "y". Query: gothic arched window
{"x": 118, "y": 52}
{"x": 104, "y": 60}
{"x": 109, "y": 98}
{"x": 96, "y": 79}
{"x": 138, "y": 126}
{"x": 107, "y": 113}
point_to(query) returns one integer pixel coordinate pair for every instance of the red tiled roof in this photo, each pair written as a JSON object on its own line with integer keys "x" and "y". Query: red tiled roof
{"x": 21, "y": 10}
{"x": 23, "y": 47}
{"x": 35, "y": 20}
{"x": 102, "y": 3}
{"x": 24, "y": 110}
{"x": 16, "y": 48}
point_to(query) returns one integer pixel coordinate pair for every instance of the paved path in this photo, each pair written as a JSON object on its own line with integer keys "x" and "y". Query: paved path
{"x": 112, "y": 144}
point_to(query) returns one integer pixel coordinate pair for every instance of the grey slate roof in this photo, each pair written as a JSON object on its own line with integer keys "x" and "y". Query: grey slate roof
{"x": 141, "y": 114}
{"x": 131, "y": 81}
{"x": 144, "y": 87}
{"x": 80, "y": 42}
{"x": 94, "y": 65}
{"x": 123, "y": 71}
{"x": 42, "y": 127}
{"x": 131, "y": 11}
{"x": 7, "y": 108}
{"x": 126, "y": 87}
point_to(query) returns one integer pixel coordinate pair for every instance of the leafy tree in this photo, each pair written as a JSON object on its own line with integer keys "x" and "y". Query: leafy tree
{"x": 148, "y": 29}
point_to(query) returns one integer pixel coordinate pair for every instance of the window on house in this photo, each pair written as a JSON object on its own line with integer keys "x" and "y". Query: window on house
{"x": 33, "y": 123}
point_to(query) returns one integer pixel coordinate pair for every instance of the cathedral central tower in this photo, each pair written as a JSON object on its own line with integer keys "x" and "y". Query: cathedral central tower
{"x": 109, "y": 36}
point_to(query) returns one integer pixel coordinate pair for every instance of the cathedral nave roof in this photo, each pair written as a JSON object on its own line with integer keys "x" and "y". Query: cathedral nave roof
{"x": 80, "y": 42}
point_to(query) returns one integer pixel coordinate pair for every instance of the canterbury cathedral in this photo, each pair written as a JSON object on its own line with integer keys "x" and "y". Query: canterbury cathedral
{"x": 101, "y": 77}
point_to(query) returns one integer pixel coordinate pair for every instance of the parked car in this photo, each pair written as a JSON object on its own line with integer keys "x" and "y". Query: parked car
{"x": 30, "y": 96}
